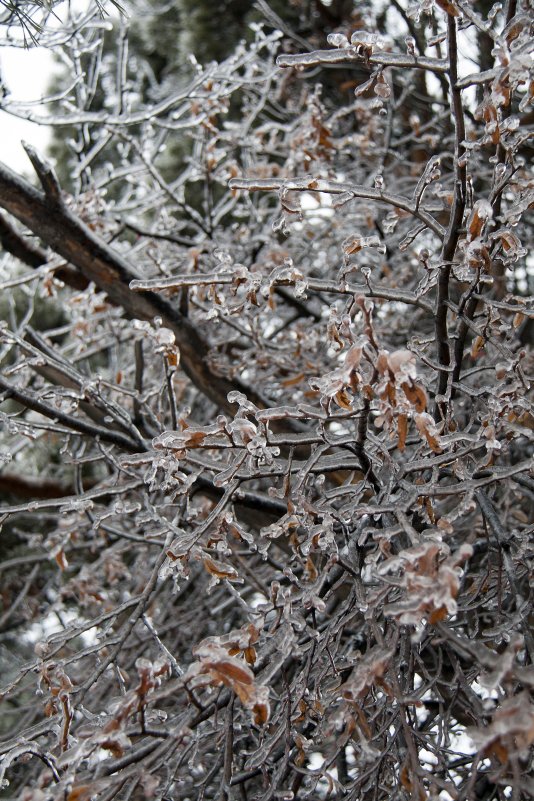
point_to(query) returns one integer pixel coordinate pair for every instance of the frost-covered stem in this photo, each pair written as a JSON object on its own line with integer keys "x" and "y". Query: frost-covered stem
{"x": 467, "y": 311}
{"x": 122, "y": 68}
{"x": 228, "y": 750}
{"x": 169, "y": 375}
{"x": 455, "y": 221}
{"x": 16, "y": 603}
{"x": 194, "y": 217}
{"x": 409, "y": 738}
{"x": 314, "y": 284}
{"x": 334, "y": 188}
{"x": 477, "y": 20}
{"x": 358, "y": 447}
{"x": 347, "y": 54}
{"x": 30, "y": 401}
{"x": 498, "y": 269}
{"x": 174, "y": 281}
{"x": 130, "y": 624}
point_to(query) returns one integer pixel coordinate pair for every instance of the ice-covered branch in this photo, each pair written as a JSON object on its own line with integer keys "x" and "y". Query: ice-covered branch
{"x": 346, "y": 55}
{"x": 334, "y": 188}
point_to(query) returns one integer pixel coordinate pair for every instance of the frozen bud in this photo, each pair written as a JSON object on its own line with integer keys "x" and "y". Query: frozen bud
{"x": 366, "y": 39}
{"x": 410, "y": 45}
{"x": 337, "y": 40}
{"x": 382, "y": 87}
{"x": 168, "y": 439}
{"x": 424, "y": 256}
{"x": 494, "y": 10}
{"x": 482, "y": 212}
{"x": 240, "y": 272}
{"x": 500, "y": 170}
{"x": 402, "y": 364}
{"x": 242, "y": 430}
{"x": 353, "y": 244}
{"x": 223, "y": 257}
{"x": 41, "y": 649}
{"x": 502, "y": 369}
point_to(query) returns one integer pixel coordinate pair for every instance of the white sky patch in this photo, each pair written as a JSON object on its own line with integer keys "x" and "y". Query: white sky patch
{"x": 26, "y": 73}
{"x": 53, "y": 624}
{"x": 310, "y": 202}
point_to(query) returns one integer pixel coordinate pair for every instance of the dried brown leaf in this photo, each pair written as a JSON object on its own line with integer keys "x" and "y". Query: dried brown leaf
{"x": 402, "y": 427}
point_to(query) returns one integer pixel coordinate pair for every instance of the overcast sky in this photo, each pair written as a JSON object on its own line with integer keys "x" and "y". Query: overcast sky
{"x": 26, "y": 74}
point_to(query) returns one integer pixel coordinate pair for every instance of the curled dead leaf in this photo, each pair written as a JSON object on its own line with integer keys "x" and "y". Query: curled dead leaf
{"x": 416, "y": 395}
{"x": 219, "y": 569}
{"x": 427, "y": 428}
{"x": 343, "y": 400}
{"x": 448, "y": 7}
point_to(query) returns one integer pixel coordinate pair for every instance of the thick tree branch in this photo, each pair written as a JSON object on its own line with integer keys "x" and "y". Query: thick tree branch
{"x": 14, "y": 243}
{"x": 34, "y": 256}
{"x": 67, "y": 235}
{"x": 455, "y": 221}
{"x": 32, "y": 488}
